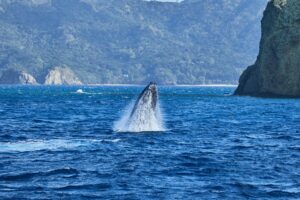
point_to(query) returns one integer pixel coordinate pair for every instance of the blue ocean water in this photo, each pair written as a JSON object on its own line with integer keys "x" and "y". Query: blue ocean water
{"x": 58, "y": 144}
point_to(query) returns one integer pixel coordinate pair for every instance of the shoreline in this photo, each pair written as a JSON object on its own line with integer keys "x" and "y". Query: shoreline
{"x": 122, "y": 85}
{"x": 183, "y": 85}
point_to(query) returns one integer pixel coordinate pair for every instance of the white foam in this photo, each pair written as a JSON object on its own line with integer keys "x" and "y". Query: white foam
{"x": 52, "y": 145}
{"x": 144, "y": 119}
{"x": 115, "y": 140}
{"x": 79, "y": 91}
{"x": 36, "y": 145}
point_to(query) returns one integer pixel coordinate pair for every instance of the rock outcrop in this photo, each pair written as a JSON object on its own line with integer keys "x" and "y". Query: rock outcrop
{"x": 12, "y": 76}
{"x": 62, "y": 76}
{"x": 277, "y": 69}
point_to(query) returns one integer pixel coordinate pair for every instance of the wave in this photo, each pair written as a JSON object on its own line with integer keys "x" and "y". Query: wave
{"x": 36, "y": 145}
{"x": 81, "y": 91}
{"x": 51, "y": 145}
{"x": 95, "y": 186}
{"x": 29, "y": 175}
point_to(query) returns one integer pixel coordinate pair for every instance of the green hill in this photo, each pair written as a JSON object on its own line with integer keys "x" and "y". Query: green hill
{"x": 131, "y": 41}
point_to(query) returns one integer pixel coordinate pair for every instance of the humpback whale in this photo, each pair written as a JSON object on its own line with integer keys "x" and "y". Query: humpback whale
{"x": 147, "y": 100}
{"x": 144, "y": 115}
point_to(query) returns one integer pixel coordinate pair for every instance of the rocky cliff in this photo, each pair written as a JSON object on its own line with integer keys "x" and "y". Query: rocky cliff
{"x": 277, "y": 69}
{"x": 62, "y": 76}
{"x": 12, "y": 76}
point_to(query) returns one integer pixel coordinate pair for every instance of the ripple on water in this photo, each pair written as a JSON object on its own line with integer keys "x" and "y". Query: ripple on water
{"x": 51, "y": 145}
{"x": 60, "y": 145}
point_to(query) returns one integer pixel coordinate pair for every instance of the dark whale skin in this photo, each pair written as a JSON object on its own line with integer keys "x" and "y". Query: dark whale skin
{"x": 150, "y": 90}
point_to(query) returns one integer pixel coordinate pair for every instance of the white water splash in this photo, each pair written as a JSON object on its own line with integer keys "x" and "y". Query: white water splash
{"x": 79, "y": 91}
{"x": 144, "y": 119}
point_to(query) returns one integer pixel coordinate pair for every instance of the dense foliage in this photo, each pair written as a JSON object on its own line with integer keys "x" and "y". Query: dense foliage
{"x": 132, "y": 41}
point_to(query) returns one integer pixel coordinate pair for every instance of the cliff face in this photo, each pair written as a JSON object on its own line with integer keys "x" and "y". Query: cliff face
{"x": 11, "y": 76}
{"x": 277, "y": 69}
{"x": 62, "y": 76}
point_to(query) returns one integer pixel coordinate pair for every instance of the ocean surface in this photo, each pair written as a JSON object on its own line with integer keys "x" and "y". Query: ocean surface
{"x": 59, "y": 144}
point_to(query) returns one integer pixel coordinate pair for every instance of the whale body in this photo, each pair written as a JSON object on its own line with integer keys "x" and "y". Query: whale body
{"x": 147, "y": 100}
{"x": 144, "y": 115}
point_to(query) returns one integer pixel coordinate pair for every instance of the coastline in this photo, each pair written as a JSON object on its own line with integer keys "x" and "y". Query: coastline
{"x": 183, "y": 85}
{"x": 121, "y": 85}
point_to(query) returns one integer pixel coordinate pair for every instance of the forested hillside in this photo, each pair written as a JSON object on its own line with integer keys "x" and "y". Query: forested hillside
{"x": 131, "y": 41}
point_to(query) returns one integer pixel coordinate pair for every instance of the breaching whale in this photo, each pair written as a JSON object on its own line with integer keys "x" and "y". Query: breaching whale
{"x": 147, "y": 100}
{"x": 144, "y": 115}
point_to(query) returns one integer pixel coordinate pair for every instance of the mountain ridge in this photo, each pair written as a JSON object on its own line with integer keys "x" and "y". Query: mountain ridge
{"x": 131, "y": 41}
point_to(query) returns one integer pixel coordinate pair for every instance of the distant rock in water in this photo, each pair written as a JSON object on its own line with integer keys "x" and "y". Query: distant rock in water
{"x": 12, "y": 76}
{"x": 62, "y": 76}
{"x": 277, "y": 69}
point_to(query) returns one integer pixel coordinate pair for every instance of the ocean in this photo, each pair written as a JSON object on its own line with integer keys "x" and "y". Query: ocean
{"x": 56, "y": 143}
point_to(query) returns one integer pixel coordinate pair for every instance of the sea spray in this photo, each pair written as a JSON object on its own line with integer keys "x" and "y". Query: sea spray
{"x": 140, "y": 122}
{"x": 145, "y": 115}
{"x": 79, "y": 91}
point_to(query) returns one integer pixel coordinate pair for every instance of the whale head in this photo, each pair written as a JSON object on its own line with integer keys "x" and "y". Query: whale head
{"x": 145, "y": 114}
{"x": 150, "y": 93}
{"x": 147, "y": 97}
